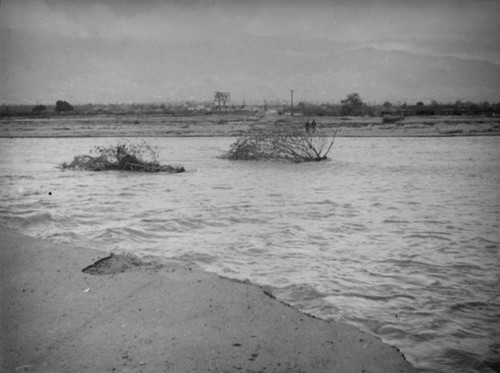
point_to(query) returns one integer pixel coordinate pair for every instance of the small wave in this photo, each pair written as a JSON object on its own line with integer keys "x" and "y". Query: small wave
{"x": 175, "y": 225}
{"x": 430, "y": 235}
{"x": 157, "y": 220}
{"x": 125, "y": 234}
{"x": 377, "y": 297}
{"x": 127, "y": 194}
{"x": 31, "y": 206}
{"x": 466, "y": 266}
{"x": 302, "y": 292}
{"x": 222, "y": 187}
{"x": 468, "y": 306}
{"x": 390, "y": 330}
{"x": 354, "y": 227}
{"x": 461, "y": 358}
{"x": 425, "y": 336}
{"x": 32, "y": 219}
{"x": 327, "y": 202}
{"x": 18, "y": 177}
{"x": 108, "y": 234}
{"x": 137, "y": 234}
{"x": 395, "y": 221}
{"x": 246, "y": 220}
{"x": 275, "y": 195}
{"x": 196, "y": 257}
{"x": 66, "y": 237}
{"x": 485, "y": 241}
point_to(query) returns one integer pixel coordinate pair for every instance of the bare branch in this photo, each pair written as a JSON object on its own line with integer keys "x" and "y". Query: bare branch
{"x": 280, "y": 141}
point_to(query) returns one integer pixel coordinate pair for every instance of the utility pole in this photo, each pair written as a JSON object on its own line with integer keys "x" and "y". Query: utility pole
{"x": 291, "y": 103}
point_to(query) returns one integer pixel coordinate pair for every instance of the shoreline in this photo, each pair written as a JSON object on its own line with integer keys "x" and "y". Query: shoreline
{"x": 228, "y": 125}
{"x": 149, "y": 317}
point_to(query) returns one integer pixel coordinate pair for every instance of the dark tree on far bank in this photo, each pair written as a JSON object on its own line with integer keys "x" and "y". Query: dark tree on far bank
{"x": 63, "y": 106}
{"x": 38, "y": 109}
{"x": 352, "y": 105}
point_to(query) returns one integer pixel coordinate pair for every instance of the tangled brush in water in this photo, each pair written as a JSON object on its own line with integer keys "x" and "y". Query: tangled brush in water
{"x": 125, "y": 157}
{"x": 280, "y": 142}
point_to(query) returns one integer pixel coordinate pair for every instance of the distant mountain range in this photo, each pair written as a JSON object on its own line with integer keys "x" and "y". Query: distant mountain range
{"x": 85, "y": 70}
{"x": 409, "y": 77}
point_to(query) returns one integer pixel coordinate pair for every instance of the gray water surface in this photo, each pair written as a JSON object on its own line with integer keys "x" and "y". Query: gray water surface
{"x": 398, "y": 236}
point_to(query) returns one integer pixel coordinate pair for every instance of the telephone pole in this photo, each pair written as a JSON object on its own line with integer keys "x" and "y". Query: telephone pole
{"x": 291, "y": 102}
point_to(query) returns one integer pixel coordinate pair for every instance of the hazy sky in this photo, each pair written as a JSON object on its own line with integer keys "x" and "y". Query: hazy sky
{"x": 152, "y": 50}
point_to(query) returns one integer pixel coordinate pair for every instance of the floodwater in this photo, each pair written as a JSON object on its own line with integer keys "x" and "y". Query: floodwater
{"x": 398, "y": 236}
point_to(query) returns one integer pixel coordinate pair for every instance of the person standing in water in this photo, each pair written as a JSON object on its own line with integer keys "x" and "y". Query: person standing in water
{"x": 313, "y": 126}
{"x": 308, "y": 125}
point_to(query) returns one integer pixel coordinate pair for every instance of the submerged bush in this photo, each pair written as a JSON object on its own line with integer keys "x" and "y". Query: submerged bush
{"x": 280, "y": 142}
{"x": 125, "y": 157}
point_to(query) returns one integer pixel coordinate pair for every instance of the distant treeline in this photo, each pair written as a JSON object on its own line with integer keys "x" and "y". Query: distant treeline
{"x": 63, "y": 108}
{"x": 419, "y": 109}
{"x": 353, "y": 105}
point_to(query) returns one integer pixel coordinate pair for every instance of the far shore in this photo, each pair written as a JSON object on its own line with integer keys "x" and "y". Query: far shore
{"x": 230, "y": 125}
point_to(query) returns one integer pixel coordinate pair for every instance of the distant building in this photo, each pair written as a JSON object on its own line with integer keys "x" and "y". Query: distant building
{"x": 220, "y": 100}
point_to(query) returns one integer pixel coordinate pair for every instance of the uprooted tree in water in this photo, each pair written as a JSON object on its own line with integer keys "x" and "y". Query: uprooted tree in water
{"x": 280, "y": 141}
{"x": 125, "y": 157}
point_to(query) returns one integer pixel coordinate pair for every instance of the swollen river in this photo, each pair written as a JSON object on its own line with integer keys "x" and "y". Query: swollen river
{"x": 398, "y": 236}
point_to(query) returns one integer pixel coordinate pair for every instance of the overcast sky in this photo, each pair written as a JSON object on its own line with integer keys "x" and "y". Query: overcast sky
{"x": 152, "y": 50}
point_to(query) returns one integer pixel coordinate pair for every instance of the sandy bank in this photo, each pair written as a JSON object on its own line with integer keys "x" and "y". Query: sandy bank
{"x": 235, "y": 125}
{"x": 128, "y": 316}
